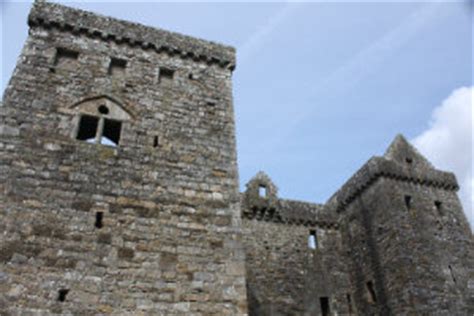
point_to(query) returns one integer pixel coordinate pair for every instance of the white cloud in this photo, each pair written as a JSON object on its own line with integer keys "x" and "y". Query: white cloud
{"x": 448, "y": 142}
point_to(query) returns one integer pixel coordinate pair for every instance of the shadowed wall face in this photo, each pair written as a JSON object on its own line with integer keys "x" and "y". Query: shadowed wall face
{"x": 119, "y": 191}
{"x": 295, "y": 264}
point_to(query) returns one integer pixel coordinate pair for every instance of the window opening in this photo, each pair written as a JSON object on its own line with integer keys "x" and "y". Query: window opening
{"x": 103, "y": 109}
{"x": 111, "y": 132}
{"x": 98, "y": 219}
{"x": 349, "y": 303}
{"x": 438, "y": 206}
{"x": 117, "y": 66}
{"x": 88, "y": 128}
{"x": 62, "y": 295}
{"x": 408, "y": 160}
{"x": 155, "y": 141}
{"x": 90, "y": 132}
{"x": 262, "y": 191}
{"x": 324, "y": 301}
{"x": 312, "y": 240}
{"x": 452, "y": 273}
{"x": 65, "y": 57}
{"x": 166, "y": 74}
{"x": 408, "y": 201}
{"x": 371, "y": 292}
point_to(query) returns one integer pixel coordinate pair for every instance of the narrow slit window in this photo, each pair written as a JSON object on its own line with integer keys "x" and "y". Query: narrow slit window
{"x": 99, "y": 216}
{"x": 87, "y": 128}
{"x": 312, "y": 240}
{"x": 111, "y": 132}
{"x": 262, "y": 191}
{"x": 117, "y": 66}
{"x": 372, "y": 298}
{"x": 166, "y": 75}
{"x": 62, "y": 293}
{"x": 156, "y": 142}
{"x": 408, "y": 201}
{"x": 349, "y": 303}
{"x": 325, "y": 310}
{"x": 452, "y": 273}
{"x": 438, "y": 206}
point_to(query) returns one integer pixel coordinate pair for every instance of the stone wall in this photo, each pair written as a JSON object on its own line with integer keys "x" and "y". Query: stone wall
{"x": 287, "y": 274}
{"x": 119, "y": 195}
{"x": 151, "y": 226}
{"x": 411, "y": 248}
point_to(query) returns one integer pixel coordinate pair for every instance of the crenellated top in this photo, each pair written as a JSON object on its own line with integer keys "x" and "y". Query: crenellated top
{"x": 260, "y": 202}
{"x": 401, "y": 162}
{"x": 50, "y": 15}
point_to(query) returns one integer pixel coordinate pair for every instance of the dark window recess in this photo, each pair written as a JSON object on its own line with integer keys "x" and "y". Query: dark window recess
{"x": 62, "y": 293}
{"x": 408, "y": 160}
{"x": 156, "y": 141}
{"x": 87, "y": 128}
{"x": 111, "y": 132}
{"x": 312, "y": 240}
{"x": 99, "y": 216}
{"x": 65, "y": 57}
{"x": 166, "y": 74}
{"x": 438, "y": 206}
{"x": 324, "y": 301}
{"x": 408, "y": 201}
{"x": 117, "y": 66}
{"x": 349, "y": 303}
{"x": 103, "y": 109}
{"x": 452, "y": 273}
{"x": 371, "y": 292}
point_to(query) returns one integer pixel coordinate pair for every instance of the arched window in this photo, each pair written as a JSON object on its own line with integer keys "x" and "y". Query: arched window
{"x": 100, "y": 121}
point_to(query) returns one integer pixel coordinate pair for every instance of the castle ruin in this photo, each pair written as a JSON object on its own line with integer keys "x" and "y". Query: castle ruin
{"x": 119, "y": 195}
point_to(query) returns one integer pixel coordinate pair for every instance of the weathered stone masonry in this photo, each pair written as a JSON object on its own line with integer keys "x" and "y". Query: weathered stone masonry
{"x": 119, "y": 195}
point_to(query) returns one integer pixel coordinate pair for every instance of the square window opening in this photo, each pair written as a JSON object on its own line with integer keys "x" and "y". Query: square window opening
{"x": 166, "y": 74}
{"x": 87, "y": 128}
{"x": 117, "y": 66}
{"x": 65, "y": 57}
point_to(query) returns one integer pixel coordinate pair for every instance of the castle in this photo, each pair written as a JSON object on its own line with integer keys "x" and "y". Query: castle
{"x": 119, "y": 195}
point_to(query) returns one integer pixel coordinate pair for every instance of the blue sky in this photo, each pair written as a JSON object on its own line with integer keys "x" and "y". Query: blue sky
{"x": 319, "y": 87}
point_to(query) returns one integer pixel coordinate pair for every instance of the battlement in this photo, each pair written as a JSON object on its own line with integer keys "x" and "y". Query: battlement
{"x": 119, "y": 195}
{"x": 79, "y": 22}
{"x": 401, "y": 163}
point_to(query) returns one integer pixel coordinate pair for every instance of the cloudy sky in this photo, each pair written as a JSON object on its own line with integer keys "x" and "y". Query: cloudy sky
{"x": 320, "y": 87}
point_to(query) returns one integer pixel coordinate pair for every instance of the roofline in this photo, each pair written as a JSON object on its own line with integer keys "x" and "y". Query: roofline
{"x": 79, "y": 22}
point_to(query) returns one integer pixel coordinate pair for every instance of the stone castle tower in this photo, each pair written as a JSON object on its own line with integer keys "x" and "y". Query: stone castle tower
{"x": 119, "y": 195}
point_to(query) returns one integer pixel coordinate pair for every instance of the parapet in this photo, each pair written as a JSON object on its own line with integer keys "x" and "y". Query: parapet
{"x": 261, "y": 202}
{"x": 79, "y": 22}
{"x": 401, "y": 162}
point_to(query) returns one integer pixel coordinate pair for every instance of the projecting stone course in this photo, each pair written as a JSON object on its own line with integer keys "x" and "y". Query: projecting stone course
{"x": 119, "y": 195}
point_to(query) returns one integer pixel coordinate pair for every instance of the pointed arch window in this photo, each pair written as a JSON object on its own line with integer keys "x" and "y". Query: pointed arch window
{"x": 100, "y": 121}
